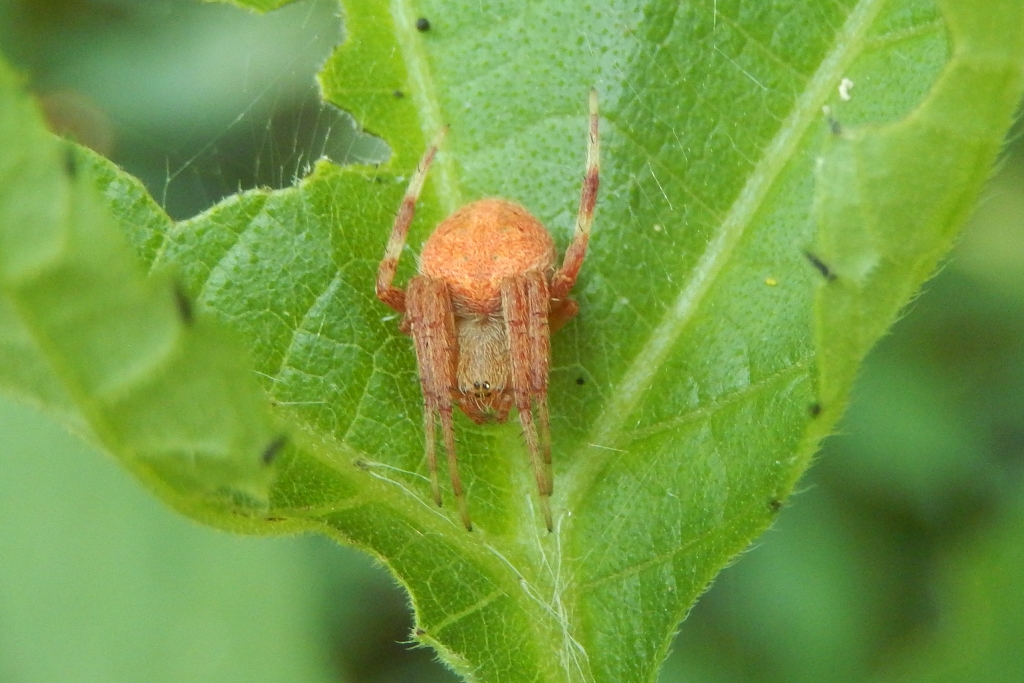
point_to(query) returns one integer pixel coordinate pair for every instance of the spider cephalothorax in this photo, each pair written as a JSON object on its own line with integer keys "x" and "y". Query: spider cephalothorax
{"x": 480, "y": 313}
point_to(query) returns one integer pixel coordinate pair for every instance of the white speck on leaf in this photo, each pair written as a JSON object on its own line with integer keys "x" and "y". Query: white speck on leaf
{"x": 845, "y": 86}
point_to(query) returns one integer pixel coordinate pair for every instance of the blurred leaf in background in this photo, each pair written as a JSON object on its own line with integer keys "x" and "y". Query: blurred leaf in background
{"x": 155, "y": 86}
{"x": 900, "y": 561}
{"x": 101, "y": 582}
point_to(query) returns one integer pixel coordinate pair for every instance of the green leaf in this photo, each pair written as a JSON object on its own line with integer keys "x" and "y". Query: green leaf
{"x": 880, "y": 245}
{"x": 118, "y": 355}
{"x": 713, "y": 356}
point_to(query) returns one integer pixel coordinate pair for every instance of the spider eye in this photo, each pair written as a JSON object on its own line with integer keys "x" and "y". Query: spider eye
{"x": 487, "y": 386}
{"x": 476, "y": 385}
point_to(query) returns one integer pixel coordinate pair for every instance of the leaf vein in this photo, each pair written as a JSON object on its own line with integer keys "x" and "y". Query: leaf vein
{"x": 663, "y": 557}
{"x": 775, "y": 57}
{"x": 301, "y": 326}
{"x": 458, "y": 616}
{"x": 708, "y": 409}
{"x": 653, "y": 160}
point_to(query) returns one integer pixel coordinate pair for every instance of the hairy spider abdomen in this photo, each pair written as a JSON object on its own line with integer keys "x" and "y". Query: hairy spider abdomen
{"x": 480, "y": 245}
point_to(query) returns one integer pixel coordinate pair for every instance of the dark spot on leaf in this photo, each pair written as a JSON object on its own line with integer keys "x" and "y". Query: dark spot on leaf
{"x": 273, "y": 449}
{"x": 361, "y": 464}
{"x": 580, "y": 381}
{"x": 775, "y": 505}
{"x": 274, "y": 519}
{"x": 821, "y": 266}
{"x": 814, "y": 409}
{"x": 422, "y": 25}
{"x": 835, "y": 126}
{"x": 184, "y": 304}
{"x": 70, "y": 162}
{"x": 378, "y": 179}
{"x": 398, "y": 94}
{"x": 420, "y": 632}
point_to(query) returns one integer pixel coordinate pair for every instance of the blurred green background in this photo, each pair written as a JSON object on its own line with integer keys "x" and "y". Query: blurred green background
{"x": 900, "y": 559}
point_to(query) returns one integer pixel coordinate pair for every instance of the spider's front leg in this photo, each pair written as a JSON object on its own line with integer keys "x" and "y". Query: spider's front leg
{"x": 431, "y": 322}
{"x": 386, "y": 291}
{"x": 525, "y": 303}
{"x": 565, "y": 278}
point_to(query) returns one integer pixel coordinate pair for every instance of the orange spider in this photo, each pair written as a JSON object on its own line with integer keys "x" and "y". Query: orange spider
{"x": 480, "y": 313}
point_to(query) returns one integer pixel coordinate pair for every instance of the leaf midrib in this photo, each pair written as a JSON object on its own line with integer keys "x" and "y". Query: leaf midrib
{"x": 635, "y": 381}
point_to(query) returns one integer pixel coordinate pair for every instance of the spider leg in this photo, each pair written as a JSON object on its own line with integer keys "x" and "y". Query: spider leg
{"x": 562, "y": 312}
{"x": 432, "y": 323}
{"x": 538, "y": 302}
{"x": 524, "y": 302}
{"x": 429, "y": 423}
{"x": 386, "y": 292}
{"x": 565, "y": 278}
